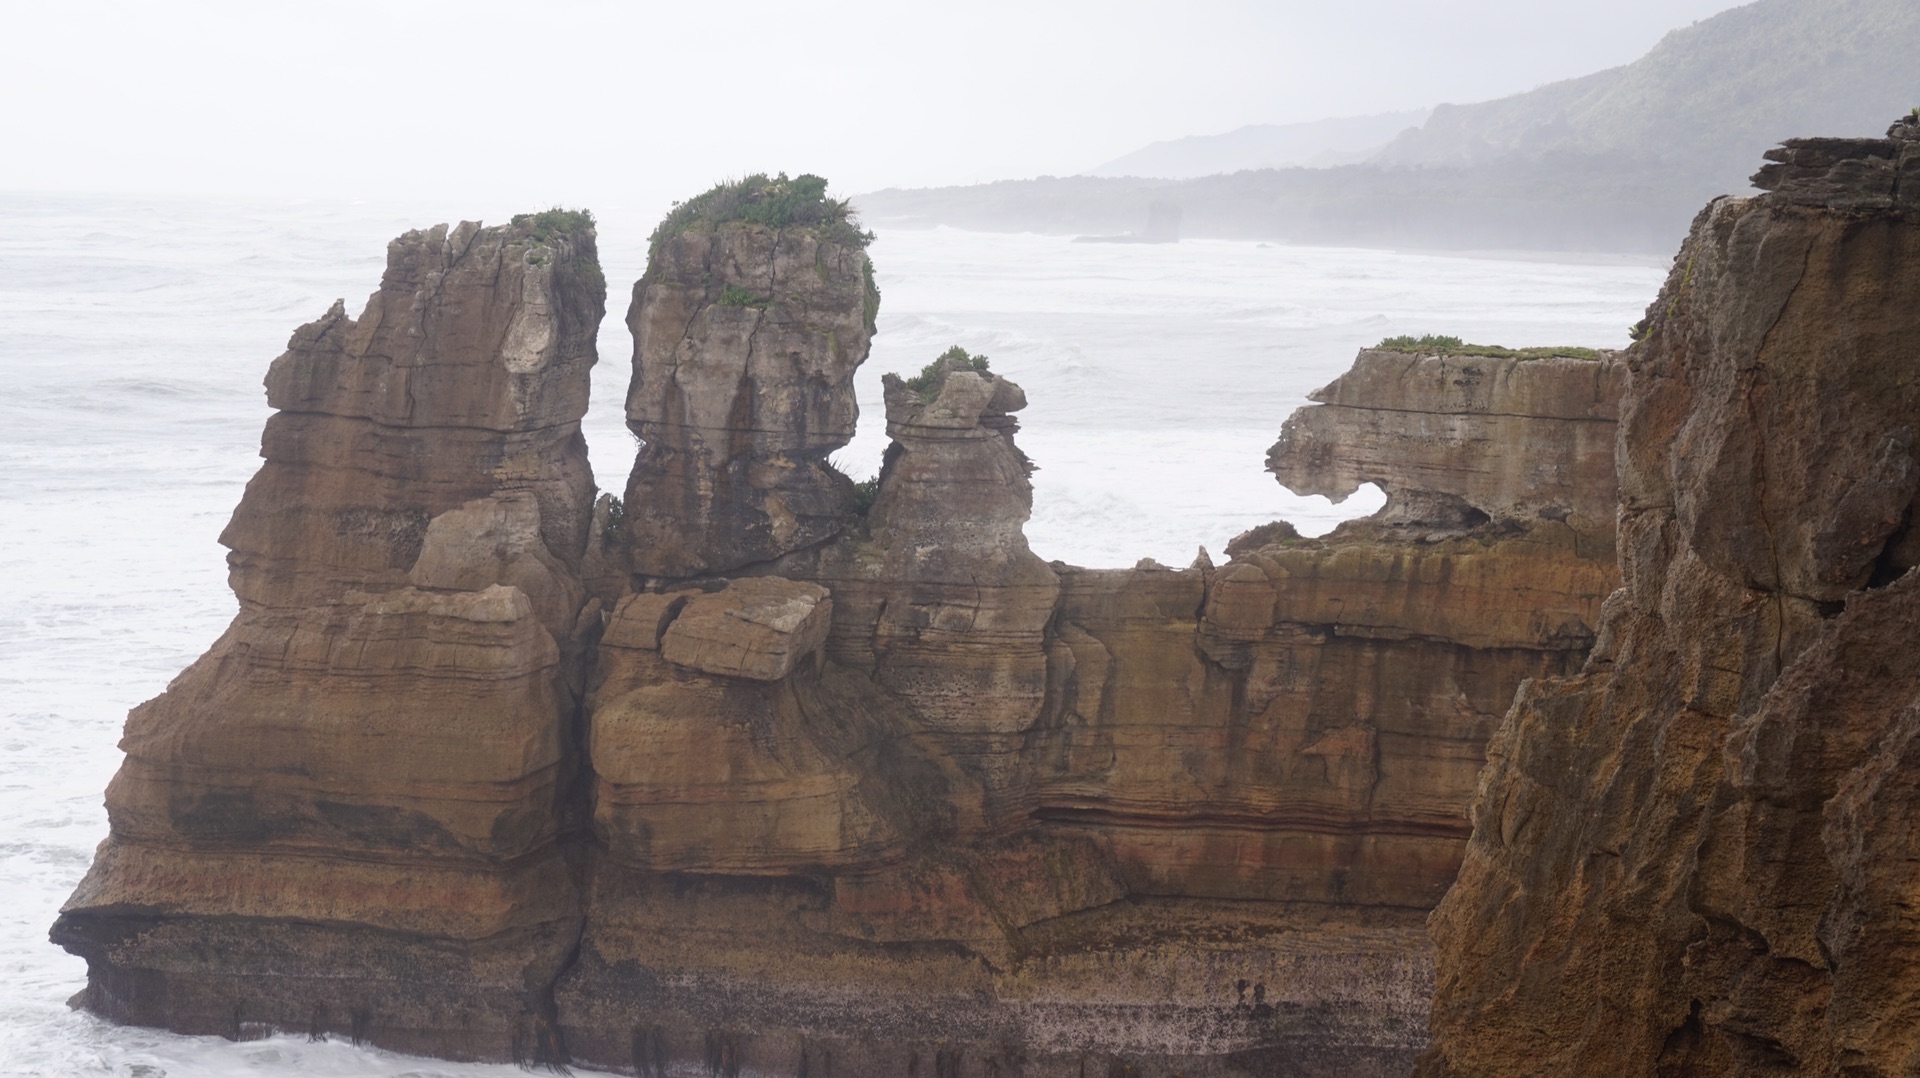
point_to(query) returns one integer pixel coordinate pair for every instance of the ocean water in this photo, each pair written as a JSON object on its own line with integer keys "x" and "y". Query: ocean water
{"x": 134, "y": 334}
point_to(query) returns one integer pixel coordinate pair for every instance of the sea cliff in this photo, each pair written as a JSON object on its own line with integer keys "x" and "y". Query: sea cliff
{"x": 743, "y": 773}
{"x": 1697, "y": 856}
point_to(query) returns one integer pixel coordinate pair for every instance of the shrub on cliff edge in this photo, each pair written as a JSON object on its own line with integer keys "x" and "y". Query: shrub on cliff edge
{"x": 560, "y": 223}
{"x": 776, "y": 202}
{"x": 927, "y": 382}
{"x": 1429, "y": 344}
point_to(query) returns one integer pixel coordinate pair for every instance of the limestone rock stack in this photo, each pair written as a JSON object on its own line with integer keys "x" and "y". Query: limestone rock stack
{"x": 346, "y": 816}
{"x": 746, "y": 337}
{"x": 753, "y": 778}
{"x": 1697, "y": 856}
{"x": 941, "y": 600}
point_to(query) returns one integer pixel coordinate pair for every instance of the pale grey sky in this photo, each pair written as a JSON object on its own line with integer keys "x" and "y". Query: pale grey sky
{"x": 583, "y": 102}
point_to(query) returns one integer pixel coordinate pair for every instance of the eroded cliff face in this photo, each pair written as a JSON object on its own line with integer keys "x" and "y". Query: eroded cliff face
{"x": 1696, "y": 856}
{"x": 349, "y": 810}
{"x": 924, "y": 803}
{"x": 753, "y": 780}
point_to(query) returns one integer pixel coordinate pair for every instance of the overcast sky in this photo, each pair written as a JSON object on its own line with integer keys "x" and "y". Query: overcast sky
{"x": 633, "y": 104}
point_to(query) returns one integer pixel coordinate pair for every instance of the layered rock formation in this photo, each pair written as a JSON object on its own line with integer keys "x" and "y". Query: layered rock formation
{"x": 1463, "y": 437}
{"x": 750, "y": 779}
{"x": 941, "y": 601}
{"x": 746, "y": 338}
{"x": 1025, "y": 817}
{"x": 1696, "y": 857}
{"x": 346, "y": 817}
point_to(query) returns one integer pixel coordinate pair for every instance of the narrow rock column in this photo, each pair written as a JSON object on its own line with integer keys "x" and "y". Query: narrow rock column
{"x": 347, "y": 817}
{"x": 746, "y": 337}
{"x": 956, "y": 608}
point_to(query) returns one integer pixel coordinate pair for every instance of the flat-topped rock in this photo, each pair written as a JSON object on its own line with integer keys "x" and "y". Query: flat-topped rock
{"x": 1847, "y": 174}
{"x": 755, "y": 627}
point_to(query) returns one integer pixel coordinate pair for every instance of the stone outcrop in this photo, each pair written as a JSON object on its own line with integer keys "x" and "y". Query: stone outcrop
{"x": 738, "y": 774}
{"x": 347, "y": 817}
{"x": 979, "y": 832}
{"x": 1439, "y": 435}
{"x": 1696, "y": 856}
{"x": 940, "y": 599}
{"x": 1847, "y": 175}
{"x": 746, "y": 338}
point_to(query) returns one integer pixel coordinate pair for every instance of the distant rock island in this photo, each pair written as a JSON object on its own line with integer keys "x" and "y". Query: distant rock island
{"x": 757, "y": 771}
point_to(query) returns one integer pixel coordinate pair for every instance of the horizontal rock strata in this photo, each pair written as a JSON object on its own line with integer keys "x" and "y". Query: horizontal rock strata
{"x": 740, "y": 776}
{"x": 1696, "y": 856}
{"x": 347, "y": 817}
{"x": 1450, "y": 428}
{"x": 913, "y": 855}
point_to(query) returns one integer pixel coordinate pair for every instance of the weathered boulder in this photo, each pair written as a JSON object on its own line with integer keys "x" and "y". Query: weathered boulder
{"x": 758, "y": 628}
{"x": 746, "y": 337}
{"x": 348, "y": 815}
{"x": 1694, "y": 857}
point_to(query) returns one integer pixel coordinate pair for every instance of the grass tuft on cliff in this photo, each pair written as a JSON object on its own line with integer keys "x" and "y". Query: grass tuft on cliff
{"x": 1429, "y": 344}
{"x": 927, "y": 382}
{"x": 776, "y": 202}
{"x": 735, "y": 296}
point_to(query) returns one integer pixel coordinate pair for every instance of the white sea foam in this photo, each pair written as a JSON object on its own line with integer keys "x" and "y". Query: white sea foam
{"x": 134, "y": 334}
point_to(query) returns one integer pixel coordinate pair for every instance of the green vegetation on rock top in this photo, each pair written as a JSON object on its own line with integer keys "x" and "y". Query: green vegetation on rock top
{"x": 547, "y": 224}
{"x": 776, "y": 202}
{"x": 558, "y": 223}
{"x": 927, "y": 382}
{"x": 1429, "y": 344}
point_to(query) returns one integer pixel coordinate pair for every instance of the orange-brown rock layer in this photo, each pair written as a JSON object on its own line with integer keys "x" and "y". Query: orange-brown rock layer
{"x": 1306, "y": 722}
{"x": 939, "y": 598}
{"x": 1013, "y": 815}
{"x": 802, "y": 788}
{"x": 347, "y": 816}
{"x": 1696, "y": 857}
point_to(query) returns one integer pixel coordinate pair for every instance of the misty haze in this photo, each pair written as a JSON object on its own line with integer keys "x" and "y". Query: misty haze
{"x": 983, "y": 539}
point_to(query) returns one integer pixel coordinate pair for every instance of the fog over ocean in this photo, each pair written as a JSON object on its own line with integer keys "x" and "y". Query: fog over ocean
{"x": 134, "y": 334}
